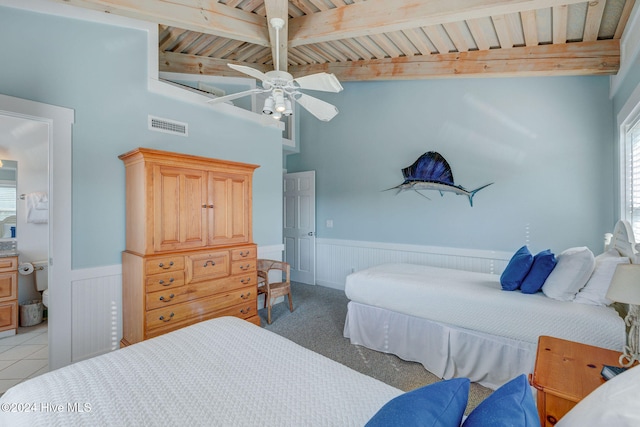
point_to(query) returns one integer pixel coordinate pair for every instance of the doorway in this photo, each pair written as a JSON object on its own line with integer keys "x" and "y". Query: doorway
{"x": 299, "y": 225}
{"x": 24, "y": 145}
{"x": 58, "y": 121}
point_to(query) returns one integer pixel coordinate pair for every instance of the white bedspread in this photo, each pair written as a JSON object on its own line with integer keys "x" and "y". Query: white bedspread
{"x": 221, "y": 372}
{"x": 476, "y": 302}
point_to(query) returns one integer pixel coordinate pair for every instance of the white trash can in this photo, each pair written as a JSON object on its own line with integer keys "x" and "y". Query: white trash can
{"x": 31, "y": 313}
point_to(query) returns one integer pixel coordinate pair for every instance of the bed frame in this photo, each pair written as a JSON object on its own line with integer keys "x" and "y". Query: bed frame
{"x": 449, "y": 351}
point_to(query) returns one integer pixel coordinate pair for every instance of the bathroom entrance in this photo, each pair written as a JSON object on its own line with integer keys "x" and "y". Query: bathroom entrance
{"x": 24, "y": 232}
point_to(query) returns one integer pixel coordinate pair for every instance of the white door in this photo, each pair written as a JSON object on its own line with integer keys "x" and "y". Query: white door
{"x": 300, "y": 225}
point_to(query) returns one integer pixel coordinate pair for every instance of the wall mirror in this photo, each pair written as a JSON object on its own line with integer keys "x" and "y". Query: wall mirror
{"x": 8, "y": 198}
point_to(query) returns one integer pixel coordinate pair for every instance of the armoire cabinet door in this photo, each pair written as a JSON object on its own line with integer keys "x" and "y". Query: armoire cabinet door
{"x": 229, "y": 219}
{"x": 180, "y": 209}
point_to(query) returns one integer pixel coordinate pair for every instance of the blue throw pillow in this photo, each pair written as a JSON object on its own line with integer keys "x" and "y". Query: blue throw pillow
{"x": 510, "y": 405}
{"x": 517, "y": 269}
{"x": 543, "y": 264}
{"x": 441, "y": 404}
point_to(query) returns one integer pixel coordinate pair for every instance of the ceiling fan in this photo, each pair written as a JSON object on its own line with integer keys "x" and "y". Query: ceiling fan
{"x": 282, "y": 87}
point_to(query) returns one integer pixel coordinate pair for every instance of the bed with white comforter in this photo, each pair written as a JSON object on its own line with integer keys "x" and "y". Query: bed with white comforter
{"x": 462, "y": 324}
{"x": 224, "y": 371}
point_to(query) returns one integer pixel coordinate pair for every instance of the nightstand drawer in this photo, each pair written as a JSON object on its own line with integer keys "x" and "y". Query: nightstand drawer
{"x": 554, "y": 408}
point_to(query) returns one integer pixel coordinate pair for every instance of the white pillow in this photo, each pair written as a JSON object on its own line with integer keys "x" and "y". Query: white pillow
{"x": 595, "y": 291}
{"x": 614, "y": 403}
{"x": 570, "y": 274}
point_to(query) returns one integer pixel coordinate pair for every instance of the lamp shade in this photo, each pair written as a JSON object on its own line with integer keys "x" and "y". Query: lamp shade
{"x": 625, "y": 284}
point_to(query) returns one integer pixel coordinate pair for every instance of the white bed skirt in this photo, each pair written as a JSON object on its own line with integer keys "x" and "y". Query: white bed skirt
{"x": 446, "y": 351}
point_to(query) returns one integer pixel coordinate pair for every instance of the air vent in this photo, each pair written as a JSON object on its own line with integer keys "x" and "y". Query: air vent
{"x": 211, "y": 89}
{"x": 168, "y": 126}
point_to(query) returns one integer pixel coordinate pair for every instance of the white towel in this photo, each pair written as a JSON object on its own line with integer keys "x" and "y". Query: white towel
{"x": 43, "y": 203}
{"x": 35, "y": 214}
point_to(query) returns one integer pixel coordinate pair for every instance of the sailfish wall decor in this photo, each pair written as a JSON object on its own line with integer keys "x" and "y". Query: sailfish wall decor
{"x": 432, "y": 172}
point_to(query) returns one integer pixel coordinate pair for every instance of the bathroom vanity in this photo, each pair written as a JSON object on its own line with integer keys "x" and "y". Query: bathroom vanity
{"x": 8, "y": 295}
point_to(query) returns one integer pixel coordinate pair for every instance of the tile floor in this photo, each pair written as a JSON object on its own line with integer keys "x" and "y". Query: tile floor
{"x": 24, "y": 355}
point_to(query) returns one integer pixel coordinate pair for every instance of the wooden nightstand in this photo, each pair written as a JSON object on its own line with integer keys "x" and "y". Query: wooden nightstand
{"x": 565, "y": 372}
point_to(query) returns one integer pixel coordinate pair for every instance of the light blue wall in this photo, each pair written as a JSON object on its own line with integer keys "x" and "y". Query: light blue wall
{"x": 629, "y": 84}
{"x": 100, "y": 71}
{"x": 544, "y": 142}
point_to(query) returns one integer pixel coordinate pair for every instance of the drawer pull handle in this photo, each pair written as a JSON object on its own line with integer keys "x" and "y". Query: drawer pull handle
{"x": 244, "y": 254}
{"x": 162, "y": 282}
{"x": 167, "y": 300}
{"x": 245, "y": 310}
{"x": 166, "y": 320}
{"x": 245, "y": 281}
{"x": 161, "y": 265}
{"x": 210, "y": 261}
{"x": 245, "y": 267}
{"x": 243, "y": 296}
{"x": 552, "y": 420}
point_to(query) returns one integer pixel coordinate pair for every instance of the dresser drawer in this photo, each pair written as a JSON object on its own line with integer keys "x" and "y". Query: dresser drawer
{"x": 207, "y": 266}
{"x": 160, "y": 282}
{"x": 243, "y": 253}
{"x": 8, "y": 286}
{"x": 8, "y": 315}
{"x": 247, "y": 311}
{"x": 8, "y": 263}
{"x": 166, "y": 297}
{"x": 198, "y": 290}
{"x": 164, "y": 264}
{"x": 196, "y": 309}
{"x": 242, "y": 267}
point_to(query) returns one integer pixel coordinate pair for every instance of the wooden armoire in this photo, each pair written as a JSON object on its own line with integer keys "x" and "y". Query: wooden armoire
{"x": 189, "y": 250}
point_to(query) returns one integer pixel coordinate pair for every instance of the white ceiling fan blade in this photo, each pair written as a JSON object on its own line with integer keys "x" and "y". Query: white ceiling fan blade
{"x": 320, "y": 81}
{"x": 256, "y": 74}
{"x": 234, "y": 96}
{"x": 322, "y": 110}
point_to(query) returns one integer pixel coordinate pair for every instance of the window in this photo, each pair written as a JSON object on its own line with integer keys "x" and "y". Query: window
{"x": 631, "y": 134}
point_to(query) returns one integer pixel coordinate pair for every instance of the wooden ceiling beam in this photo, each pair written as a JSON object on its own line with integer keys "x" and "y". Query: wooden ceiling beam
{"x": 383, "y": 16}
{"x": 216, "y": 19}
{"x": 595, "y": 10}
{"x": 584, "y": 58}
{"x": 191, "y": 64}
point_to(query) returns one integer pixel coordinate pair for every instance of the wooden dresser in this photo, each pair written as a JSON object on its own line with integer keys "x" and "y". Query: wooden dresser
{"x": 189, "y": 252}
{"x": 8, "y": 295}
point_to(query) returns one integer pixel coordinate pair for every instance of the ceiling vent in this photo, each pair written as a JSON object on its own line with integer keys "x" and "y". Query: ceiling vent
{"x": 168, "y": 126}
{"x": 211, "y": 89}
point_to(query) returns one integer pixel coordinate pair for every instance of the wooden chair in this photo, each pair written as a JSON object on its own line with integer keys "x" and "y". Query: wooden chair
{"x": 273, "y": 289}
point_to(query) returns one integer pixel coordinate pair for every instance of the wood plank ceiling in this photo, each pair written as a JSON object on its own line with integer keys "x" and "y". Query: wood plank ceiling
{"x": 386, "y": 39}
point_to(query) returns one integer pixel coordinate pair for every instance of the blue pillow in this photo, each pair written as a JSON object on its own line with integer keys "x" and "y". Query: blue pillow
{"x": 543, "y": 264}
{"x": 440, "y": 404}
{"x": 510, "y": 405}
{"x": 517, "y": 269}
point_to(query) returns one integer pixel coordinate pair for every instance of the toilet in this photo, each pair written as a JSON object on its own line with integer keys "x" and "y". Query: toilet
{"x": 41, "y": 279}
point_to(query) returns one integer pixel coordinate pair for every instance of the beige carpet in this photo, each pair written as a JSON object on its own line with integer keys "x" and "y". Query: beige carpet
{"x": 317, "y": 323}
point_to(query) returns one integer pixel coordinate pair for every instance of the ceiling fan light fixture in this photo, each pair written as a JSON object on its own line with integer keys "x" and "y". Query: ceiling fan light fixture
{"x": 277, "y": 115}
{"x": 278, "y": 97}
{"x": 288, "y": 110}
{"x": 268, "y": 106}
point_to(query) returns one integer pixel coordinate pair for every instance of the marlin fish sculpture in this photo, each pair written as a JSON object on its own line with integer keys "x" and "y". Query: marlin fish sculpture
{"x": 432, "y": 172}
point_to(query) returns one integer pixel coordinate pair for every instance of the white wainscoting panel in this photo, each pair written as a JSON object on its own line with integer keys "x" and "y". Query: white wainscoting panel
{"x": 336, "y": 259}
{"x": 96, "y": 311}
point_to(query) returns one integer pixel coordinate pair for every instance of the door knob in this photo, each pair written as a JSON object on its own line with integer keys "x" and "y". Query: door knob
{"x": 311, "y": 233}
